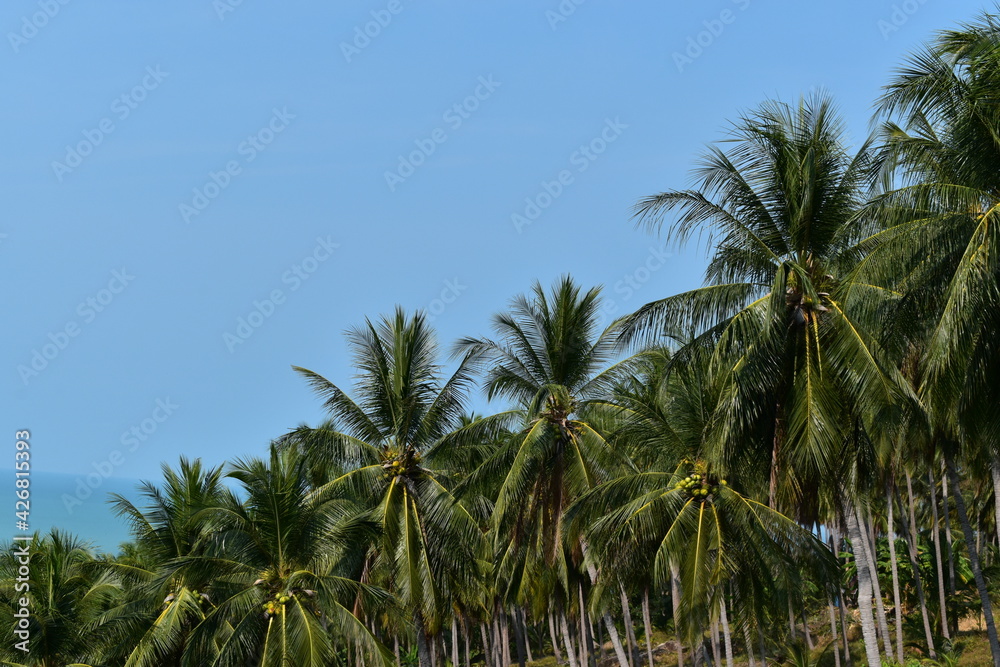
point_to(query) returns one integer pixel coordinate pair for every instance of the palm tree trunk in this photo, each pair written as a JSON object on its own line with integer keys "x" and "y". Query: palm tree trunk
{"x": 727, "y": 638}
{"x": 395, "y": 650}
{"x": 567, "y": 640}
{"x": 979, "y": 537}
{"x": 946, "y": 514}
{"x": 633, "y": 643}
{"x": 805, "y": 628}
{"x": 523, "y": 616}
{"x": 497, "y": 641}
{"x": 615, "y": 641}
{"x": 585, "y": 636}
{"x": 858, "y": 540}
{"x": 466, "y": 632}
{"x": 601, "y": 655}
{"x": 505, "y": 638}
{"x": 555, "y": 644}
{"x": 434, "y": 652}
{"x": 636, "y": 661}
{"x": 714, "y": 634}
{"x": 424, "y": 654}
{"x": 891, "y": 534}
{"x": 675, "y": 597}
{"x": 883, "y": 624}
{"x": 936, "y": 538}
{"x": 519, "y": 641}
{"x": 977, "y": 571}
{"x": 647, "y": 626}
{"x": 487, "y": 652}
{"x": 704, "y": 649}
{"x": 911, "y": 532}
{"x": 835, "y": 543}
{"x": 746, "y": 639}
{"x": 608, "y": 622}
{"x": 833, "y": 633}
{"x": 843, "y": 629}
{"x": 454, "y": 641}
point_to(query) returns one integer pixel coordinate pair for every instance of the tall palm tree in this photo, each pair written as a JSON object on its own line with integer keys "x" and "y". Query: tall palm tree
{"x": 549, "y": 359}
{"x": 802, "y": 379}
{"x": 942, "y": 145}
{"x": 386, "y": 441}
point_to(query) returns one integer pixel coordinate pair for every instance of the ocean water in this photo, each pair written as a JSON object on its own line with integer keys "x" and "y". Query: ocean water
{"x": 69, "y": 503}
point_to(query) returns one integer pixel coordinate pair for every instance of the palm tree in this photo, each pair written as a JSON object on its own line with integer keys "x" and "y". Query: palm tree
{"x": 64, "y": 595}
{"x": 158, "y": 613}
{"x": 547, "y": 359}
{"x": 802, "y": 379}
{"x": 665, "y": 401}
{"x": 943, "y": 148}
{"x": 691, "y": 522}
{"x": 275, "y": 558}
{"x": 654, "y": 517}
{"x": 386, "y": 442}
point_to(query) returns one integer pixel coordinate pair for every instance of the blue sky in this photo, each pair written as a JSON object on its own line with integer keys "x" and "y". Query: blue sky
{"x": 171, "y": 169}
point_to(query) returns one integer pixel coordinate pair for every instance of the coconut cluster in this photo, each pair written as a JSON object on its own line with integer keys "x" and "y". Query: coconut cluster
{"x": 275, "y": 605}
{"x": 698, "y": 487}
{"x": 202, "y": 598}
{"x": 395, "y": 465}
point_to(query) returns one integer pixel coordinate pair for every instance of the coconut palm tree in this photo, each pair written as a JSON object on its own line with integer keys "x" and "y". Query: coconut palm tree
{"x": 667, "y": 407}
{"x": 942, "y": 148}
{"x": 386, "y": 440}
{"x": 694, "y": 525}
{"x": 276, "y": 558}
{"x": 550, "y": 359}
{"x": 64, "y": 593}
{"x": 665, "y": 401}
{"x": 804, "y": 387}
{"x": 157, "y": 613}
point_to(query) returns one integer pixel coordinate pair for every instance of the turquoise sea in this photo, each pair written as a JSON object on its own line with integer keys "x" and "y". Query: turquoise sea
{"x": 69, "y": 503}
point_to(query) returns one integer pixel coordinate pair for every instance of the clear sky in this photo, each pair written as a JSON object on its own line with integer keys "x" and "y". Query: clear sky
{"x": 201, "y": 194}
